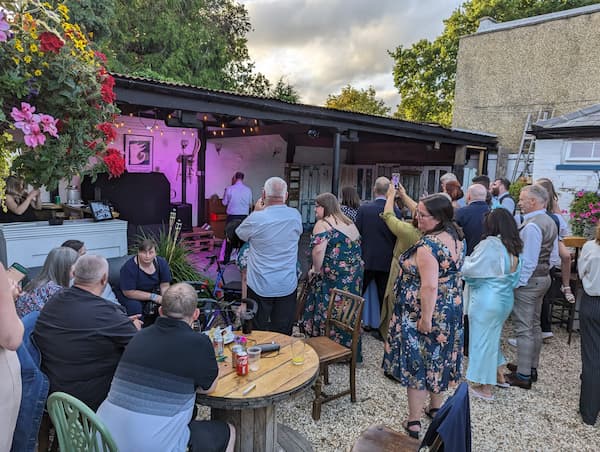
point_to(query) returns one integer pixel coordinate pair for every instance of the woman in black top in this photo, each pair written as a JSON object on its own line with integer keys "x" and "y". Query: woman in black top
{"x": 20, "y": 205}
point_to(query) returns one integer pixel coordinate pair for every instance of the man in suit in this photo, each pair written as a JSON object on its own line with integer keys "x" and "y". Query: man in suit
{"x": 377, "y": 240}
{"x": 470, "y": 217}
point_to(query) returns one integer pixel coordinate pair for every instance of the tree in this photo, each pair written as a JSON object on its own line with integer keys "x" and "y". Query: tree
{"x": 285, "y": 91}
{"x": 425, "y": 72}
{"x": 200, "y": 42}
{"x": 359, "y": 101}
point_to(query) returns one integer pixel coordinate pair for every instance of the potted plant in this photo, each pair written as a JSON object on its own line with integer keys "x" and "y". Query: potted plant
{"x": 585, "y": 213}
{"x": 56, "y": 97}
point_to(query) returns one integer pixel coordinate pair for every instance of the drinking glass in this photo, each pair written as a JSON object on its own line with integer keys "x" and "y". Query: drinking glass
{"x": 298, "y": 349}
{"x": 254, "y": 358}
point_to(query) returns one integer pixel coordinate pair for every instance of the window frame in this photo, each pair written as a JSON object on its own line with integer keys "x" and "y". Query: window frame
{"x": 590, "y": 159}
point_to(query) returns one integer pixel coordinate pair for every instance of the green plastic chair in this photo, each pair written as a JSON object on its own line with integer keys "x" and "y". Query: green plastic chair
{"x": 77, "y": 427}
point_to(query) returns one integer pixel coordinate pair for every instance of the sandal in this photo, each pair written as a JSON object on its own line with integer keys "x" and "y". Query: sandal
{"x": 431, "y": 412}
{"x": 412, "y": 433}
{"x": 566, "y": 290}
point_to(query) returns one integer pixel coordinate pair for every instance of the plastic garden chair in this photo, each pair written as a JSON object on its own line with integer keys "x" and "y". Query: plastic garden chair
{"x": 77, "y": 427}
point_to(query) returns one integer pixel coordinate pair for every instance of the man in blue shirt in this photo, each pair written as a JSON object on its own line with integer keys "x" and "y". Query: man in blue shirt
{"x": 272, "y": 232}
{"x": 470, "y": 218}
{"x": 238, "y": 199}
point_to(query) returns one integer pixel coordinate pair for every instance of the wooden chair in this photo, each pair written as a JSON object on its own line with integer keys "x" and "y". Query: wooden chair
{"x": 452, "y": 423}
{"x": 344, "y": 313}
{"x": 77, "y": 427}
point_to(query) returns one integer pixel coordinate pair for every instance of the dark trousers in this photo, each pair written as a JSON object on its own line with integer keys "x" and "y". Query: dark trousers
{"x": 274, "y": 313}
{"x": 381, "y": 279}
{"x": 228, "y": 247}
{"x": 552, "y": 293}
{"x": 589, "y": 323}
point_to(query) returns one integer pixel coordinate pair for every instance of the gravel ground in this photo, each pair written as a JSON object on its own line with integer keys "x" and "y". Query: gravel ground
{"x": 544, "y": 418}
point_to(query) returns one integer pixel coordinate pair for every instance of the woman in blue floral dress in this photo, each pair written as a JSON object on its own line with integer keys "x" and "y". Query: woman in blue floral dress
{"x": 423, "y": 350}
{"x": 336, "y": 264}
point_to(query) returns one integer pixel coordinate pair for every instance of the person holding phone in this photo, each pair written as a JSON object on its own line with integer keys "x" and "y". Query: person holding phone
{"x": 20, "y": 204}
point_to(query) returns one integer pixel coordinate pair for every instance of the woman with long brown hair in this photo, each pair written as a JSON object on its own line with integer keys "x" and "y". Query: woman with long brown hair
{"x": 336, "y": 264}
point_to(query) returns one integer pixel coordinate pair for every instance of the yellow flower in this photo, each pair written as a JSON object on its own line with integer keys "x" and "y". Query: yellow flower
{"x": 27, "y": 59}
{"x": 7, "y": 136}
{"x": 47, "y": 5}
{"x": 37, "y": 72}
{"x": 33, "y": 48}
{"x": 18, "y": 45}
{"x": 34, "y": 35}
{"x": 64, "y": 11}
{"x": 16, "y": 60}
{"x": 45, "y": 64}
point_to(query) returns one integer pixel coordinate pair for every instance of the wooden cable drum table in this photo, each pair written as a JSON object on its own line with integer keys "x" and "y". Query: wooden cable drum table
{"x": 253, "y": 414}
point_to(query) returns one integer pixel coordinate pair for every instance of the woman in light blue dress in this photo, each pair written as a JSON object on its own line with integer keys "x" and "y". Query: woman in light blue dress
{"x": 491, "y": 273}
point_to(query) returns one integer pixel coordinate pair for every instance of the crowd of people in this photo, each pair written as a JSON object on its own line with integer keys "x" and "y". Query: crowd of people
{"x": 446, "y": 280}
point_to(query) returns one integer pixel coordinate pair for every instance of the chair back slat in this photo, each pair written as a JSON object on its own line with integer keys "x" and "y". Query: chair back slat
{"x": 344, "y": 311}
{"x": 77, "y": 427}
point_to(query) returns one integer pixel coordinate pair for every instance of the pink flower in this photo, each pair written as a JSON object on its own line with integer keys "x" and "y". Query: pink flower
{"x": 4, "y": 27}
{"x": 580, "y": 194}
{"x": 24, "y": 114}
{"x": 35, "y": 137}
{"x": 49, "y": 125}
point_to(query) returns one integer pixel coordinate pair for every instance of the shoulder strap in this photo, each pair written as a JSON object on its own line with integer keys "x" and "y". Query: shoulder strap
{"x": 330, "y": 225}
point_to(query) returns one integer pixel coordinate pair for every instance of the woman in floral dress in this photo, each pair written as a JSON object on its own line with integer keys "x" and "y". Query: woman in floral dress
{"x": 423, "y": 350}
{"x": 336, "y": 264}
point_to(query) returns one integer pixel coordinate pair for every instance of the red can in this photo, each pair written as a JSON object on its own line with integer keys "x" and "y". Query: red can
{"x": 242, "y": 364}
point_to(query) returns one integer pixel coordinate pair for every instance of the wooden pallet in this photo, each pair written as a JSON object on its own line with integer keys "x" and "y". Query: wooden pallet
{"x": 199, "y": 240}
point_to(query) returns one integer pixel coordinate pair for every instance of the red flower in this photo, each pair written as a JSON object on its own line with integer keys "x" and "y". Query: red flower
{"x": 49, "y": 42}
{"x": 106, "y": 90}
{"x": 91, "y": 144}
{"x": 109, "y": 131}
{"x": 114, "y": 162}
{"x": 100, "y": 56}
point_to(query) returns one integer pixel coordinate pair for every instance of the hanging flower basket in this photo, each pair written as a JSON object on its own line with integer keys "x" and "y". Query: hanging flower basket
{"x": 585, "y": 213}
{"x": 56, "y": 98}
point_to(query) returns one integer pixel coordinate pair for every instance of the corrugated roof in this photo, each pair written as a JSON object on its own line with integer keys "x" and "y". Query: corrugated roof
{"x": 489, "y": 25}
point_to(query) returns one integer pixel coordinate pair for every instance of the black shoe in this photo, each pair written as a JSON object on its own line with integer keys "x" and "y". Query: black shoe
{"x": 377, "y": 335}
{"x": 514, "y": 380}
{"x": 412, "y": 433}
{"x": 534, "y": 375}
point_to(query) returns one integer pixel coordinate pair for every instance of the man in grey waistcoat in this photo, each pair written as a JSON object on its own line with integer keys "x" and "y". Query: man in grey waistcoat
{"x": 538, "y": 233}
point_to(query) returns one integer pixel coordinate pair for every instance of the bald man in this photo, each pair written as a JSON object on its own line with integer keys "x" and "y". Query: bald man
{"x": 470, "y": 218}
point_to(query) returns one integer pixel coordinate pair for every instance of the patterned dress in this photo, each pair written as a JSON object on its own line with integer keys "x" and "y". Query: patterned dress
{"x": 35, "y": 299}
{"x": 430, "y": 361}
{"x": 342, "y": 269}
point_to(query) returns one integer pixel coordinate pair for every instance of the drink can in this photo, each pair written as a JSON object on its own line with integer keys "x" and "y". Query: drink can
{"x": 235, "y": 350}
{"x": 57, "y": 200}
{"x": 242, "y": 364}
{"x": 218, "y": 344}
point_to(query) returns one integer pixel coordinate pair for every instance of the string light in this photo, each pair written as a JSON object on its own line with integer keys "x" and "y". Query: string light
{"x": 244, "y": 131}
{"x": 205, "y": 117}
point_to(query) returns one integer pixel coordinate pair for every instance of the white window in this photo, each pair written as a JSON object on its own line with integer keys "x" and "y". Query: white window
{"x": 583, "y": 151}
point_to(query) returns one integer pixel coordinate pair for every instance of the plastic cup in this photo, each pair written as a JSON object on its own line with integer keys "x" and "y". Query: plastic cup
{"x": 254, "y": 358}
{"x": 298, "y": 349}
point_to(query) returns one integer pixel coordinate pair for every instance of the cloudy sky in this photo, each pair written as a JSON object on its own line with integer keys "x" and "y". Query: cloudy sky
{"x": 320, "y": 46}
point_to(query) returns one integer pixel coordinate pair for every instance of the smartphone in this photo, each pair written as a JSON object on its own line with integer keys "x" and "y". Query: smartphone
{"x": 396, "y": 179}
{"x": 16, "y": 272}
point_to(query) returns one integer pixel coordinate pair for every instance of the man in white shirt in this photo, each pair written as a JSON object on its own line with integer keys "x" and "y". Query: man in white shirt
{"x": 272, "y": 232}
{"x": 238, "y": 199}
{"x": 538, "y": 233}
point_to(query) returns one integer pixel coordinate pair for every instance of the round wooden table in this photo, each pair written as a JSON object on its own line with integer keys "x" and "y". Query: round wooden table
{"x": 253, "y": 414}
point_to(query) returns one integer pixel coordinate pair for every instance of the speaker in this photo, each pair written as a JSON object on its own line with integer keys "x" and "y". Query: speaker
{"x": 184, "y": 214}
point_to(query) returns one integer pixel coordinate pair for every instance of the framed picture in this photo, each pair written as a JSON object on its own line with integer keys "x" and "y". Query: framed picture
{"x": 100, "y": 211}
{"x": 138, "y": 153}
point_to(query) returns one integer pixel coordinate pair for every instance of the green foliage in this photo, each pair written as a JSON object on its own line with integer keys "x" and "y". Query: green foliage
{"x": 175, "y": 252}
{"x": 425, "y": 73}
{"x": 285, "y": 91}
{"x": 68, "y": 83}
{"x": 585, "y": 212}
{"x": 199, "y": 42}
{"x": 359, "y": 101}
{"x": 515, "y": 188}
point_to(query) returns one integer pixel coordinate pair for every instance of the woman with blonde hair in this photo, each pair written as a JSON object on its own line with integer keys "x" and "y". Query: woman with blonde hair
{"x": 336, "y": 264}
{"x": 20, "y": 204}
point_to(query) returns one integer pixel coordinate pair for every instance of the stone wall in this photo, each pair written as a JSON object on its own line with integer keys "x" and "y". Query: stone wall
{"x": 503, "y": 75}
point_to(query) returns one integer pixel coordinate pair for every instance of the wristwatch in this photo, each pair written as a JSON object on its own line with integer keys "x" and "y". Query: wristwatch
{"x": 153, "y": 296}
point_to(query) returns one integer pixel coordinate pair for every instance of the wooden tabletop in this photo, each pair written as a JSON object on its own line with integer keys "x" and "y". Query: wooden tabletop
{"x": 574, "y": 241}
{"x": 277, "y": 378}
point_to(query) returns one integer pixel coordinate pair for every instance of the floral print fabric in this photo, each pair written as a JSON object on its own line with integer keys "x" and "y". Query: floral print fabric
{"x": 35, "y": 299}
{"x": 430, "y": 361}
{"x": 342, "y": 269}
